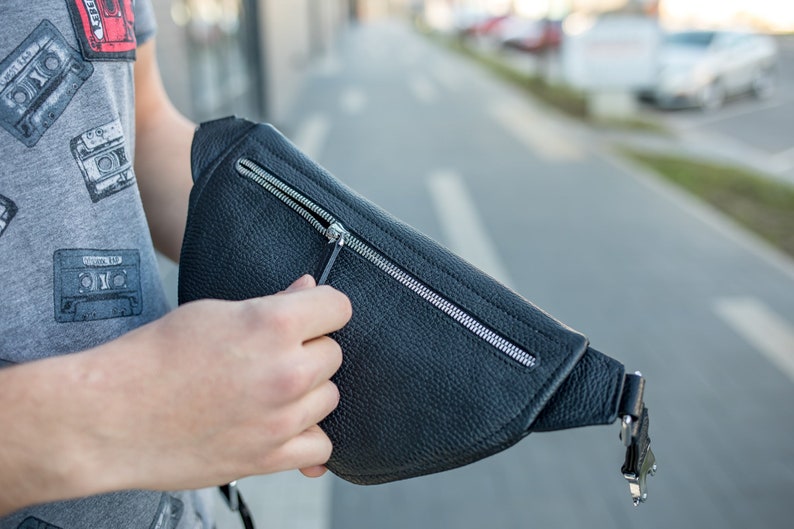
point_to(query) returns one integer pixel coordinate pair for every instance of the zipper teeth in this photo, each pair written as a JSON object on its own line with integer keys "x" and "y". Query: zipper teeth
{"x": 310, "y": 211}
{"x": 441, "y": 303}
{"x": 296, "y": 201}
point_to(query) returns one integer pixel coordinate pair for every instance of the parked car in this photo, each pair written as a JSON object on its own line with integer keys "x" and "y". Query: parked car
{"x": 485, "y": 25}
{"x": 536, "y": 36}
{"x": 512, "y": 31}
{"x": 703, "y": 68}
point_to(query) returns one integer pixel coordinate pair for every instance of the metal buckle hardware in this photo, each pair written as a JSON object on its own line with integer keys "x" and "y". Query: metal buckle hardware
{"x": 640, "y": 461}
{"x": 236, "y": 504}
{"x": 232, "y": 495}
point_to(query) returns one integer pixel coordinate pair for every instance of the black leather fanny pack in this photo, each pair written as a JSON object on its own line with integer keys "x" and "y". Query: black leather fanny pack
{"x": 442, "y": 365}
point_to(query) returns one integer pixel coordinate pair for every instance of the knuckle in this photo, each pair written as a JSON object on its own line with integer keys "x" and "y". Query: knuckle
{"x": 282, "y": 427}
{"x": 283, "y": 322}
{"x": 265, "y": 458}
{"x": 294, "y": 381}
{"x": 270, "y": 313}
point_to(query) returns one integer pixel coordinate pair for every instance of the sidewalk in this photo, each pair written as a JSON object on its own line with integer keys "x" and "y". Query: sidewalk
{"x": 703, "y": 147}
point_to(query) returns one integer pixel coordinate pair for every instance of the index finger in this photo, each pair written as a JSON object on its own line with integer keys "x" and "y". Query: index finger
{"x": 318, "y": 310}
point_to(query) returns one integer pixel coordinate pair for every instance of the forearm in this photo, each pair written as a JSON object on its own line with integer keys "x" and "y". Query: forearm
{"x": 211, "y": 392}
{"x": 46, "y": 453}
{"x": 162, "y": 156}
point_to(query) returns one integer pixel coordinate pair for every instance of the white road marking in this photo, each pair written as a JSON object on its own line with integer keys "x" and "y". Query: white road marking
{"x": 447, "y": 77}
{"x": 764, "y": 329}
{"x": 353, "y": 101}
{"x": 311, "y": 135}
{"x": 784, "y": 159}
{"x": 464, "y": 231}
{"x": 536, "y": 132}
{"x": 423, "y": 89}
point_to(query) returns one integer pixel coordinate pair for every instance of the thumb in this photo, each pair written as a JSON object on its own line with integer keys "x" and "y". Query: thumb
{"x": 303, "y": 282}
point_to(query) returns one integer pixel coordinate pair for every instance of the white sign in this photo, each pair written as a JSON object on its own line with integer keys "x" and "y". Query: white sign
{"x": 613, "y": 52}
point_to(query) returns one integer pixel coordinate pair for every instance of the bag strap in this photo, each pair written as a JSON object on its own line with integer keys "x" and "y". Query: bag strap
{"x": 234, "y": 500}
{"x": 640, "y": 461}
{"x": 597, "y": 392}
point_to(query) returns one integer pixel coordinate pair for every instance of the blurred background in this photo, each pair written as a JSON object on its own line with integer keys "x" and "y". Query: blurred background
{"x": 627, "y": 165}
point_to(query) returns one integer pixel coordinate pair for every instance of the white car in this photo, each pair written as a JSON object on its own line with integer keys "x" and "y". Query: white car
{"x": 703, "y": 68}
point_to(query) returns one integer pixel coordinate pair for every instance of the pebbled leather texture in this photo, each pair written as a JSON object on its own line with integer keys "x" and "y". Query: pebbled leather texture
{"x": 419, "y": 393}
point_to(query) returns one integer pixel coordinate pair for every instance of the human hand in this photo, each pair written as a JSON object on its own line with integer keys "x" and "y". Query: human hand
{"x": 215, "y": 391}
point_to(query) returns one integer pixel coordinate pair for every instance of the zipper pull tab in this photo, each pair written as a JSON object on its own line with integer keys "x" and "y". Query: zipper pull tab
{"x": 336, "y": 234}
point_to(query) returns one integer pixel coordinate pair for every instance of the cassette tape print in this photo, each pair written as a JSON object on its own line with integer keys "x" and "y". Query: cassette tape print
{"x": 104, "y": 160}
{"x": 106, "y": 28}
{"x": 37, "y": 81}
{"x": 94, "y": 285}
{"x": 34, "y": 523}
{"x": 7, "y": 211}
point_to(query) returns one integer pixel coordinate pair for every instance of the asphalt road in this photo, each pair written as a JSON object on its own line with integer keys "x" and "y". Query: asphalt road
{"x": 654, "y": 278}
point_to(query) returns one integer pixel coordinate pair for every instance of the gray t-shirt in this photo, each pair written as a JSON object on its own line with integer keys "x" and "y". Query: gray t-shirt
{"x": 77, "y": 267}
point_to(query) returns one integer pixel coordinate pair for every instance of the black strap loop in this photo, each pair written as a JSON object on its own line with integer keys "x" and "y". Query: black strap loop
{"x": 235, "y": 502}
{"x": 635, "y": 423}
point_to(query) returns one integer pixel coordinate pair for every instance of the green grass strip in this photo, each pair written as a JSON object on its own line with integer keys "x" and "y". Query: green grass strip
{"x": 562, "y": 97}
{"x": 761, "y": 203}
{"x": 568, "y": 100}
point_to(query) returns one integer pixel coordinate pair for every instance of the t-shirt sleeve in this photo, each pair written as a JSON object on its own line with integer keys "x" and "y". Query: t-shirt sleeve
{"x": 145, "y": 23}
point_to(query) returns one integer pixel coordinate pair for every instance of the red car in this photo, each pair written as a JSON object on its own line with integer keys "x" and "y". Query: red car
{"x": 535, "y": 36}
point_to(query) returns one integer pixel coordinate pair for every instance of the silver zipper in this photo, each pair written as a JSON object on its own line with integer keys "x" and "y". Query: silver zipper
{"x": 339, "y": 237}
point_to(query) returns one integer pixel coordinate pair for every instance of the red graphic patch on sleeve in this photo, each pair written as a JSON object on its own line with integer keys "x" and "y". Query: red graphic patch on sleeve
{"x": 105, "y": 28}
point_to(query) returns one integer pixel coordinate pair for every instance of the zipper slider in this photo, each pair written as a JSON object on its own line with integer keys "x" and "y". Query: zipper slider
{"x": 336, "y": 234}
